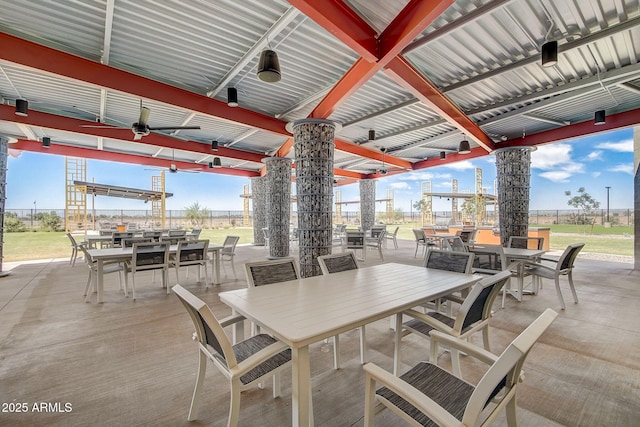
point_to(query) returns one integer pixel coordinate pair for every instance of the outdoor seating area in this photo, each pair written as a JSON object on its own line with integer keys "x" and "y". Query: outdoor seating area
{"x": 76, "y": 363}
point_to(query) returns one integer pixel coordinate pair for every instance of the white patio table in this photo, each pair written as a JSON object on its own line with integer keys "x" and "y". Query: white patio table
{"x": 304, "y": 311}
{"x": 123, "y": 254}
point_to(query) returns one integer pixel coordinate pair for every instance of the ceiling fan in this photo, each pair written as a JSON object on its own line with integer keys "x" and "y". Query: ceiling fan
{"x": 141, "y": 127}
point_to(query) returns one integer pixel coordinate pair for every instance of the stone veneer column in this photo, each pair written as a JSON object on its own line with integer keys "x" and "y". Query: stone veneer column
{"x": 513, "y": 167}
{"x": 367, "y": 203}
{"x": 314, "y": 148}
{"x": 3, "y": 194}
{"x": 259, "y": 198}
{"x": 278, "y": 189}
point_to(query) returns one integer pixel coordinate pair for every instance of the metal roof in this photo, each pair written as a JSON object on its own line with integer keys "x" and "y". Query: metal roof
{"x": 123, "y": 192}
{"x": 423, "y": 74}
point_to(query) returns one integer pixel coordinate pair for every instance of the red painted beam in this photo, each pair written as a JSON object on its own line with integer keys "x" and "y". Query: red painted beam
{"x": 361, "y": 151}
{"x": 110, "y": 156}
{"x": 411, "y": 79}
{"x": 43, "y": 58}
{"x": 409, "y": 24}
{"x": 451, "y": 158}
{"x": 52, "y": 121}
{"x": 613, "y": 122}
{"x": 346, "y": 25}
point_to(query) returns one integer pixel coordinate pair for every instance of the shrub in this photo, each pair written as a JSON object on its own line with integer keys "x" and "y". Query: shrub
{"x": 50, "y": 221}
{"x": 13, "y": 225}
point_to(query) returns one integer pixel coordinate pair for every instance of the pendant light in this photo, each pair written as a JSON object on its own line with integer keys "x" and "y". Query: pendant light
{"x": 232, "y": 97}
{"x": 464, "y": 147}
{"x": 372, "y": 135}
{"x": 269, "y": 66}
{"x": 46, "y": 142}
{"x": 443, "y": 155}
{"x": 216, "y": 162}
{"x": 599, "y": 118}
{"x": 549, "y": 54}
{"x": 22, "y": 107}
{"x": 214, "y": 145}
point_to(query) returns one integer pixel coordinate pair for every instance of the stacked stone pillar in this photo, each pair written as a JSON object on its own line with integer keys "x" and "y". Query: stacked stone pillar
{"x": 278, "y": 189}
{"x": 367, "y": 203}
{"x": 259, "y": 199}
{"x": 513, "y": 167}
{"x": 314, "y": 148}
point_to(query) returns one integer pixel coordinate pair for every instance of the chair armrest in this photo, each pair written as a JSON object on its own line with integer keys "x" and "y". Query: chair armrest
{"x": 429, "y": 321}
{"x": 454, "y": 298}
{"x": 262, "y": 356}
{"x": 554, "y": 260}
{"x": 530, "y": 264}
{"x": 484, "y": 271}
{"x": 412, "y": 395}
{"x": 479, "y": 353}
{"x": 230, "y": 320}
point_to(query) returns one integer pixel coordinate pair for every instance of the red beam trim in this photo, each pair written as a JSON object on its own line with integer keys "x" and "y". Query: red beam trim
{"x": 110, "y": 156}
{"x": 40, "y": 57}
{"x": 285, "y": 148}
{"x": 451, "y": 158}
{"x": 615, "y": 121}
{"x": 344, "y": 23}
{"x": 52, "y": 121}
{"x": 409, "y": 24}
{"x": 407, "y": 76}
{"x": 361, "y": 151}
{"x": 343, "y": 172}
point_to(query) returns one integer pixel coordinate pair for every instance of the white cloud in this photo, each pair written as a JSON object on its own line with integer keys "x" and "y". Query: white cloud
{"x": 423, "y": 176}
{"x": 399, "y": 185}
{"x": 596, "y": 174}
{"x": 625, "y": 146}
{"x": 463, "y": 165}
{"x": 550, "y": 156}
{"x": 624, "y": 168}
{"x": 595, "y": 155}
{"x": 556, "y": 176}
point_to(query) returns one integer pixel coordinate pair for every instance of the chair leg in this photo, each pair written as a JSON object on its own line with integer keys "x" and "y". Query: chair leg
{"x": 455, "y": 362}
{"x": 86, "y": 288}
{"x": 206, "y": 273}
{"x": 485, "y": 338}
{"x": 277, "y": 390}
{"x": 573, "y": 288}
{"x": 415, "y": 254}
{"x": 234, "y": 405}
{"x": 165, "y": 280}
{"x": 233, "y": 267}
{"x": 195, "y": 400}
{"x": 133, "y": 286}
{"x": 559, "y": 293}
{"x": 369, "y": 401}
{"x": 336, "y": 352}
{"x": 510, "y": 408}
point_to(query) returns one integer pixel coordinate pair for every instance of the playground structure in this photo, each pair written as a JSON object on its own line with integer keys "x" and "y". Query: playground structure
{"x": 474, "y": 209}
{"x": 77, "y": 190}
{"x": 339, "y": 218}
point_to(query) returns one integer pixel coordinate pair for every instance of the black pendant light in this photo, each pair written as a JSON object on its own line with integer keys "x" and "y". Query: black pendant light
{"x": 600, "y": 118}
{"x": 443, "y": 155}
{"x": 46, "y": 142}
{"x": 269, "y": 66}
{"x": 22, "y": 107}
{"x": 464, "y": 147}
{"x": 372, "y": 135}
{"x": 549, "y": 54}
{"x": 216, "y": 162}
{"x": 232, "y": 97}
{"x": 214, "y": 145}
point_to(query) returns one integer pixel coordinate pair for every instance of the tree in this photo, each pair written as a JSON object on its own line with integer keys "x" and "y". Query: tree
{"x": 422, "y": 206}
{"x": 587, "y": 206}
{"x": 196, "y": 214}
{"x": 49, "y": 221}
{"x": 12, "y": 223}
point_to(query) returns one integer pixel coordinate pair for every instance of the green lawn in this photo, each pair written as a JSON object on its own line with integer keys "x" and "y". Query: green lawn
{"x": 42, "y": 245}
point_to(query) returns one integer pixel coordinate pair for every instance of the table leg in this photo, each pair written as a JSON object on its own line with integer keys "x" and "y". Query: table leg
{"x": 301, "y": 388}
{"x": 100, "y": 280}
{"x": 396, "y": 347}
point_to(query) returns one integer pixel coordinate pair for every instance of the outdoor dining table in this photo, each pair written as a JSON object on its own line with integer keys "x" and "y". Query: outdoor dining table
{"x": 305, "y": 311}
{"x": 123, "y": 254}
{"x": 519, "y": 255}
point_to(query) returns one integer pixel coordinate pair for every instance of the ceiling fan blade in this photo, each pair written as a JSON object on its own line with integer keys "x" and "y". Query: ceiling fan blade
{"x": 173, "y": 127}
{"x": 144, "y": 116}
{"x": 105, "y": 127}
{"x": 137, "y": 136}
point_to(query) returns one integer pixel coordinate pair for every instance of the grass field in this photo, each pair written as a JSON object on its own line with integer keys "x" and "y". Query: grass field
{"x": 617, "y": 240}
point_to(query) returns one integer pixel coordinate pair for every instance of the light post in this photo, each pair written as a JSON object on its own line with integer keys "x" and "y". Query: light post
{"x": 608, "y": 188}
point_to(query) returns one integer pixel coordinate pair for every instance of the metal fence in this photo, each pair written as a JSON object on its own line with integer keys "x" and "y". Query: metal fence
{"x": 228, "y": 218}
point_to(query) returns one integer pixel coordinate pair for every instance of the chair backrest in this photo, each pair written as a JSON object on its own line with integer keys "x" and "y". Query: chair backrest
{"x": 129, "y": 242}
{"x": 418, "y": 233}
{"x": 455, "y": 244}
{"x": 394, "y": 234}
{"x": 192, "y": 252}
{"x": 376, "y": 230}
{"x": 87, "y": 257}
{"x": 504, "y": 374}
{"x": 265, "y": 233}
{"x": 209, "y": 332}
{"x": 116, "y": 238}
{"x": 459, "y": 262}
{"x": 177, "y": 233}
{"x": 496, "y": 252}
{"x": 524, "y": 242}
{"x": 429, "y": 230}
{"x": 272, "y": 271}
{"x": 155, "y": 235}
{"x": 467, "y": 236}
{"x": 195, "y": 233}
{"x": 335, "y": 263}
{"x": 229, "y": 245}
{"x": 150, "y": 256}
{"x": 568, "y": 257}
{"x": 355, "y": 239}
{"x": 477, "y": 305}
{"x": 74, "y": 243}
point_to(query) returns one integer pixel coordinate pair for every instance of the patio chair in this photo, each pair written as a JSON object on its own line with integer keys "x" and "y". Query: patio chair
{"x": 472, "y": 316}
{"x": 155, "y": 235}
{"x": 194, "y": 234}
{"x": 460, "y": 262}
{"x": 173, "y": 237}
{"x": 375, "y": 241}
{"x": 265, "y": 234}
{"x": 147, "y": 256}
{"x": 74, "y": 249}
{"x": 354, "y": 240}
{"x": 421, "y": 240}
{"x": 191, "y": 253}
{"x": 335, "y": 263}
{"x": 129, "y": 242}
{"x": 243, "y": 364}
{"x": 118, "y": 236}
{"x": 392, "y": 237}
{"x": 524, "y": 242}
{"x": 109, "y": 267}
{"x": 428, "y": 395}
{"x": 556, "y": 268}
{"x": 228, "y": 253}
{"x": 468, "y": 236}
{"x": 454, "y": 244}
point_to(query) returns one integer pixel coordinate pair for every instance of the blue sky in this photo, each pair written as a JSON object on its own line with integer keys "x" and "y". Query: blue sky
{"x": 593, "y": 162}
